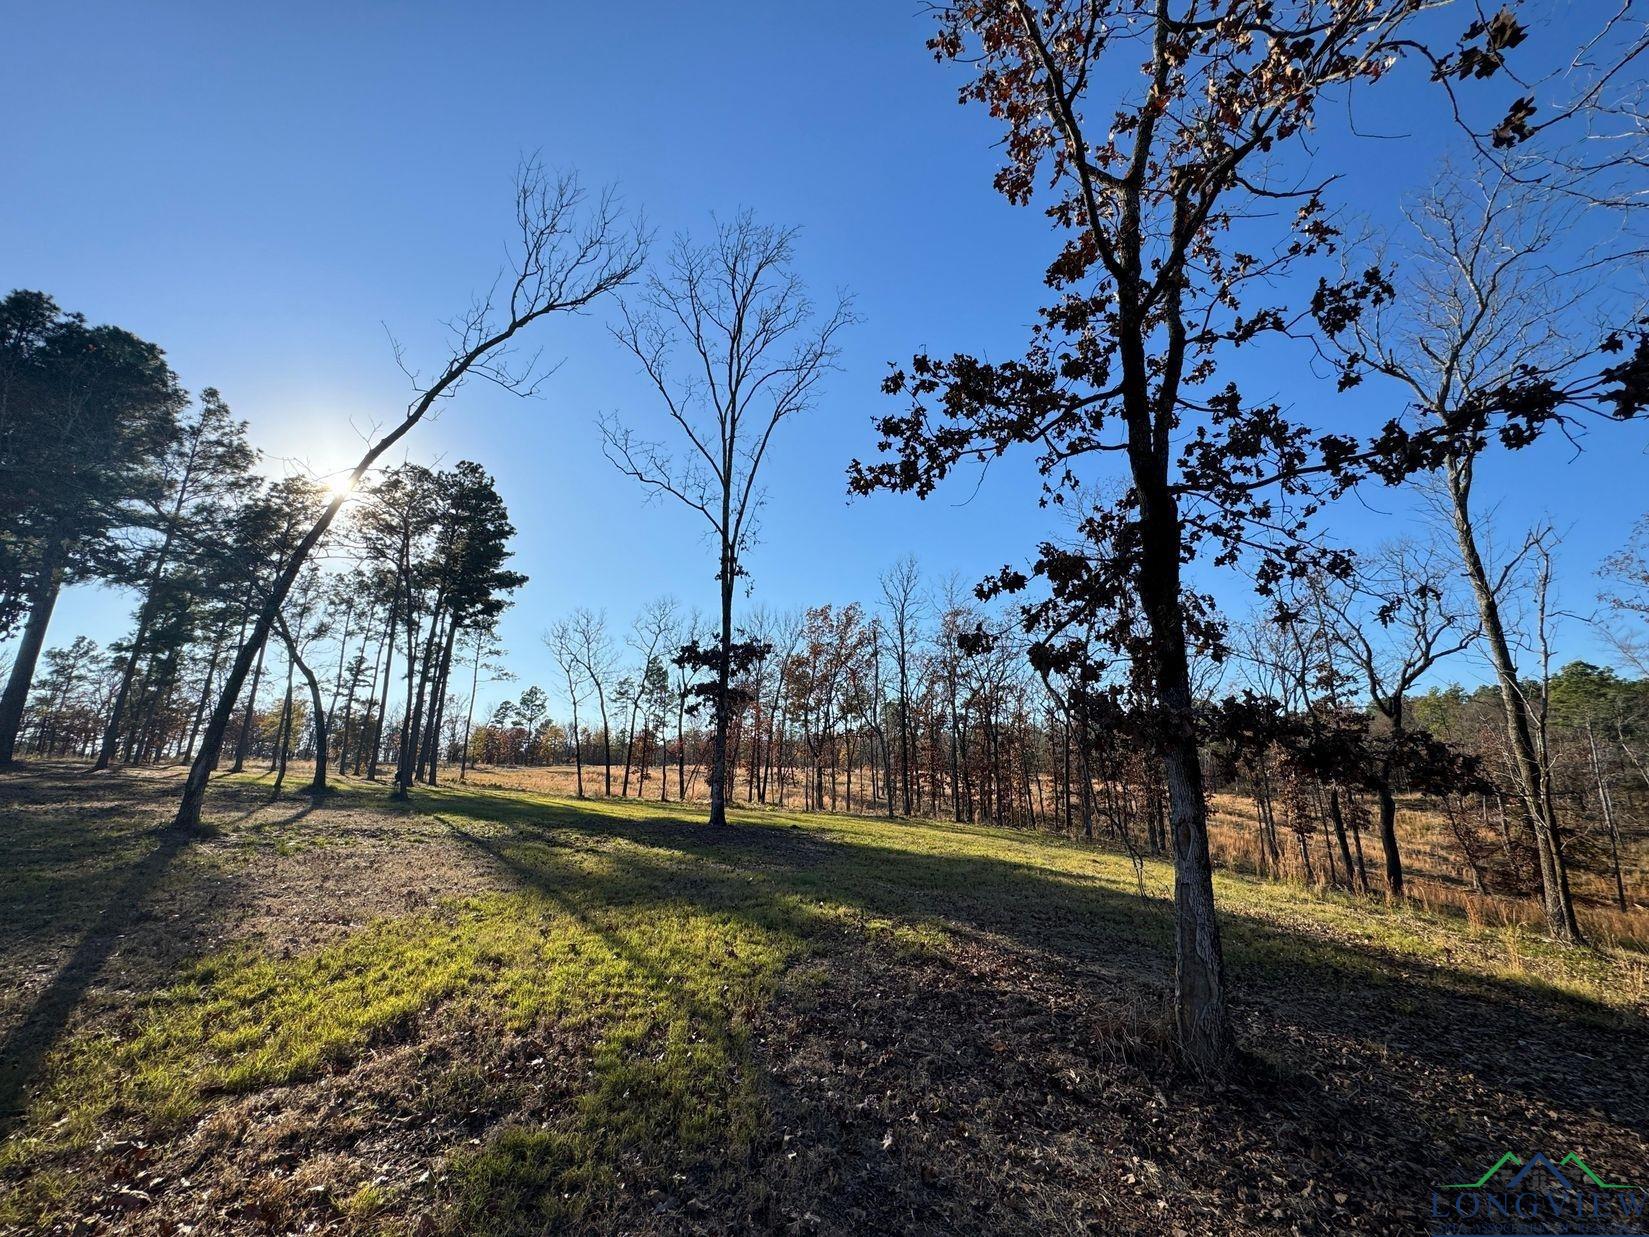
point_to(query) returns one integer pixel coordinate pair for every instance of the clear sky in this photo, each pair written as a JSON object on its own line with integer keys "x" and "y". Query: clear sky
{"x": 264, "y": 190}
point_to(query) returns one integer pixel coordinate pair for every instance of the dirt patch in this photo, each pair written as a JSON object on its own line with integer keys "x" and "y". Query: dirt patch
{"x": 987, "y": 1092}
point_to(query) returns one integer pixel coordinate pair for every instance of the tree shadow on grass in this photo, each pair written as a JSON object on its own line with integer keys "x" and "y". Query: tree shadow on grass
{"x": 1374, "y": 1067}
{"x": 31, "y": 1040}
{"x": 1572, "y": 1049}
{"x": 73, "y": 878}
{"x": 1347, "y": 1028}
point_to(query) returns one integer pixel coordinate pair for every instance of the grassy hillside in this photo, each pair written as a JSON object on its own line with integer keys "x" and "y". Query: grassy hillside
{"x": 499, "y": 1011}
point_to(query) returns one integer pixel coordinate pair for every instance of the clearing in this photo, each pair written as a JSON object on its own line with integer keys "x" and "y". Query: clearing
{"x": 498, "y": 1011}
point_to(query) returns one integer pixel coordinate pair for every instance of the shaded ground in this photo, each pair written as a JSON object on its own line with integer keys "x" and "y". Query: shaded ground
{"x": 499, "y": 1012}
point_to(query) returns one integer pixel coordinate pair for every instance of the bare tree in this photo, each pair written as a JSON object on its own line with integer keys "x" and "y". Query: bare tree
{"x": 902, "y": 601}
{"x": 728, "y": 337}
{"x": 685, "y": 690}
{"x": 1493, "y": 299}
{"x": 591, "y": 650}
{"x": 563, "y": 642}
{"x": 571, "y": 252}
{"x": 483, "y": 641}
{"x": 1394, "y": 621}
{"x": 648, "y": 634}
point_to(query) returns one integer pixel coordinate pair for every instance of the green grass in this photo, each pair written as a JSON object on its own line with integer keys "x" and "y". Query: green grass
{"x": 597, "y": 942}
{"x": 652, "y": 944}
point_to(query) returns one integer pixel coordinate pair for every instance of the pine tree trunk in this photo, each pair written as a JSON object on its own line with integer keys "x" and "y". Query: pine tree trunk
{"x": 16, "y": 695}
{"x": 145, "y": 616}
{"x": 317, "y": 783}
{"x": 251, "y": 704}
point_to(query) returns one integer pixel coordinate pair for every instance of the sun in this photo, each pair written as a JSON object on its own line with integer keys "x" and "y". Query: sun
{"x": 339, "y": 486}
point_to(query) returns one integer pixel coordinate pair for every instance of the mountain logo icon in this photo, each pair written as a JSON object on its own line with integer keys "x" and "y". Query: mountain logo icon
{"x": 1568, "y": 1174}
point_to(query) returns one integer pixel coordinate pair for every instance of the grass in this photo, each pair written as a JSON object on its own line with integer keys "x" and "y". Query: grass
{"x": 599, "y": 942}
{"x": 640, "y": 954}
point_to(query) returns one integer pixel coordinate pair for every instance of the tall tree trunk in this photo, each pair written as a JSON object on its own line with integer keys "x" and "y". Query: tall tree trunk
{"x": 145, "y": 616}
{"x": 283, "y": 732}
{"x": 663, "y": 759}
{"x": 442, "y": 697}
{"x": 41, "y": 605}
{"x": 1606, "y": 802}
{"x": 1338, "y": 820}
{"x": 1528, "y": 771}
{"x": 904, "y": 727}
{"x": 955, "y": 754}
{"x": 1388, "y": 836}
{"x": 718, "y": 762}
{"x": 388, "y": 673}
{"x": 606, "y": 742}
{"x": 205, "y": 692}
{"x": 469, "y": 714}
{"x": 681, "y": 747}
{"x": 251, "y": 706}
{"x": 578, "y": 743}
{"x": 630, "y": 740}
{"x": 413, "y": 714}
{"x": 317, "y": 783}
{"x": 887, "y": 770}
{"x": 430, "y": 754}
{"x": 1201, "y": 1017}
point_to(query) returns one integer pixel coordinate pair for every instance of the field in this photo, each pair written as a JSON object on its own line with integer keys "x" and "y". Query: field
{"x": 1437, "y": 875}
{"x": 500, "y": 1010}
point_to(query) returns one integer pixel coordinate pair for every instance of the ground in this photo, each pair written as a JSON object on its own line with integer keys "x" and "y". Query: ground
{"x": 498, "y": 1011}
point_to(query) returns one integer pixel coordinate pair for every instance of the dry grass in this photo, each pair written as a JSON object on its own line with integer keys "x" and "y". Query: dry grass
{"x": 1438, "y": 879}
{"x": 506, "y": 1012}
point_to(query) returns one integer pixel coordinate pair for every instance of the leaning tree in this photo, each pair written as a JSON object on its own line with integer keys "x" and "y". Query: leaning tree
{"x": 571, "y": 252}
{"x": 1487, "y": 300}
{"x": 1167, "y": 142}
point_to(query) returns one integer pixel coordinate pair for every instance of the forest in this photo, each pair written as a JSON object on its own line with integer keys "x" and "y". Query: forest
{"x": 1264, "y": 849}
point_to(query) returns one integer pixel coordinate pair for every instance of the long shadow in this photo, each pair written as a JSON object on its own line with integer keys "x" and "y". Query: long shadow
{"x": 1102, "y": 932}
{"x": 47, "y": 889}
{"x": 1321, "y": 1010}
{"x": 774, "y": 876}
{"x": 27, "y": 1045}
{"x": 556, "y": 893}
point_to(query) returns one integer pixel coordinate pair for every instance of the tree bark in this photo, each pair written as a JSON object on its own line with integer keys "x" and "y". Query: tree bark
{"x": 718, "y": 763}
{"x": 1200, "y": 1014}
{"x": 1388, "y": 837}
{"x": 317, "y": 783}
{"x": 145, "y": 616}
{"x": 251, "y": 707}
{"x": 1528, "y": 772}
{"x": 374, "y": 754}
{"x": 16, "y": 695}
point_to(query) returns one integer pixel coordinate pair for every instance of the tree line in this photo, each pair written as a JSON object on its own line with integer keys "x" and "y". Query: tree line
{"x": 926, "y": 703}
{"x": 405, "y": 595}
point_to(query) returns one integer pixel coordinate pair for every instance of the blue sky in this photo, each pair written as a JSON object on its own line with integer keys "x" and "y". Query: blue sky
{"x": 263, "y": 190}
